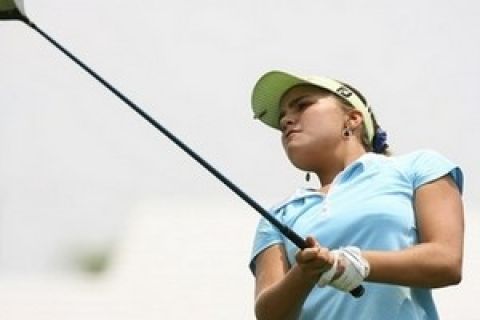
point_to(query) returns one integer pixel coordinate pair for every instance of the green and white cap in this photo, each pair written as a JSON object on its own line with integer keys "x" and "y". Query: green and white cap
{"x": 270, "y": 88}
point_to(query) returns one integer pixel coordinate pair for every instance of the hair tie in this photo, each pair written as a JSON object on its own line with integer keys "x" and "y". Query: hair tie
{"x": 379, "y": 143}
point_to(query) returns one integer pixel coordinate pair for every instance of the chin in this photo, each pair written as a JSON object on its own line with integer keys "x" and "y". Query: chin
{"x": 302, "y": 154}
{"x": 301, "y": 160}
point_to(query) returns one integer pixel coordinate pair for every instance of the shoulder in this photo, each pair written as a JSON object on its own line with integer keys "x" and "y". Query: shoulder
{"x": 422, "y": 154}
{"x": 299, "y": 194}
{"x": 292, "y": 206}
{"x": 425, "y": 165}
{"x": 422, "y": 159}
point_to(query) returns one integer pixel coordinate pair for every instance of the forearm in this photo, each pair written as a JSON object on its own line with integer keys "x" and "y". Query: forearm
{"x": 284, "y": 299}
{"x": 426, "y": 265}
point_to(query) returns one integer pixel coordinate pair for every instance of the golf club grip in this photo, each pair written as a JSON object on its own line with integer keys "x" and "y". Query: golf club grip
{"x": 301, "y": 244}
{"x": 286, "y": 231}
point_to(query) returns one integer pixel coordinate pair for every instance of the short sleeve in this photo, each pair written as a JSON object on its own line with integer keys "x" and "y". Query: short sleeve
{"x": 266, "y": 236}
{"x": 427, "y": 165}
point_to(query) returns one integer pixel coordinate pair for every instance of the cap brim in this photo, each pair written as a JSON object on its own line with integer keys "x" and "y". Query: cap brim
{"x": 268, "y": 92}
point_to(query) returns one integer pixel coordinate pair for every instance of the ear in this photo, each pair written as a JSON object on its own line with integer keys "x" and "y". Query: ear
{"x": 354, "y": 119}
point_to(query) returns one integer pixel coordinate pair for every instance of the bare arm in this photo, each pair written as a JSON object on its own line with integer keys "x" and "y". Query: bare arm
{"x": 437, "y": 260}
{"x": 280, "y": 290}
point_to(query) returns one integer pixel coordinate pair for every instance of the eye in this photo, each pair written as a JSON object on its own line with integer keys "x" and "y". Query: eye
{"x": 295, "y": 106}
{"x": 302, "y": 104}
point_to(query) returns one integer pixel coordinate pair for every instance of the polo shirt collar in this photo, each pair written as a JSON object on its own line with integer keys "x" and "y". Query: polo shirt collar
{"x": 353, "y": 169}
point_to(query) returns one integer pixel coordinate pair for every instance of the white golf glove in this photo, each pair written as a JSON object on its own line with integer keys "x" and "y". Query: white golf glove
{"x": 356, "y": 270}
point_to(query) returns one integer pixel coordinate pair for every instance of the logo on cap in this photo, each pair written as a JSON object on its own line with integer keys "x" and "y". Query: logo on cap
{"x": 344, "y": 92}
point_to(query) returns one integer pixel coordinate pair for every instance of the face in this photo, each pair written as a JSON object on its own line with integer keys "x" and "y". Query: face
{"x": 311, "y": 122}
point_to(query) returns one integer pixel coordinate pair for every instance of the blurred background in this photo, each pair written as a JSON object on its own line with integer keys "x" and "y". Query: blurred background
{"x": 101, "y": 217}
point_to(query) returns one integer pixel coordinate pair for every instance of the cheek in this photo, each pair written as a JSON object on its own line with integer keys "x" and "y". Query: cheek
{"x": 321, "y": 131}
{"x": 322, "y": 125}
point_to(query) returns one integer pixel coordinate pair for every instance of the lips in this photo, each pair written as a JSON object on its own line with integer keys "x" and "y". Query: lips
{"x": 289, "y": 133}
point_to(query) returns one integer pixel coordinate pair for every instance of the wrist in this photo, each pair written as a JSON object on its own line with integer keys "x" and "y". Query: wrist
{"x": 305, "y": 275}
{"x": 349, "y": 271}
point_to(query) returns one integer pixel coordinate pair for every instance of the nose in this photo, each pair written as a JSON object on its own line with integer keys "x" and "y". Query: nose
{"x": 286, "y": 121}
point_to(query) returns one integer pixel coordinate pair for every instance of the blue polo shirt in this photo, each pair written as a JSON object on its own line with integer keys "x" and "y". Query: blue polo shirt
{"x": 369, "y": 205}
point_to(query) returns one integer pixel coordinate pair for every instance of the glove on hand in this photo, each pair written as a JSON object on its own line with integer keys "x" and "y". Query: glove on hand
{"x": 356, "y": 270}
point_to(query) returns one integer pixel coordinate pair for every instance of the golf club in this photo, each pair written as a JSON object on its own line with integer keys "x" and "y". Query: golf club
{"x": 14, "y": 10}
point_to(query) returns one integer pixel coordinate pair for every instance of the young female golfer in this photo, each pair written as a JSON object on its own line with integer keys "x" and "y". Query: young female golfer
{"x": 394, "y": 222}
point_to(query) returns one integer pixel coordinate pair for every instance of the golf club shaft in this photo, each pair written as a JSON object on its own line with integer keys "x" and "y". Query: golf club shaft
{"x": 286, "y": 231}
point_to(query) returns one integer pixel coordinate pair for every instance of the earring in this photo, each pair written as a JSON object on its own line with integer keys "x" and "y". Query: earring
{"x": 347, "y": 132}
{"x": 307, "y": 177}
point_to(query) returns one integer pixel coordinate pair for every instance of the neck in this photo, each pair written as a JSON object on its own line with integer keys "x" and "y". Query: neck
{"x": 336, "y": 163}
